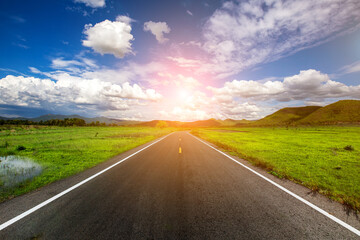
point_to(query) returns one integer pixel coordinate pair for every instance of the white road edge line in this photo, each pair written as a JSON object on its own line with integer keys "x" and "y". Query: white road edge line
{"x": 37, "y": 207}
{"x": 335, "y": 219}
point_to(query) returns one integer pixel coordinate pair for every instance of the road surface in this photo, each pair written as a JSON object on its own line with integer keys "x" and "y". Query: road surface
{"x": 160, "y": 193}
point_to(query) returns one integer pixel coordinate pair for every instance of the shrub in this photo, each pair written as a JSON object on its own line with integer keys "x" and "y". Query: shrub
{"x": 349, "y": 148}
{"x": 20, "y": 148}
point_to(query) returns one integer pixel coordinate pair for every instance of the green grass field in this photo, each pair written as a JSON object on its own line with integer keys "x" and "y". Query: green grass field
{"x": 65, "y": 151}
{"x": 317, "y": 157}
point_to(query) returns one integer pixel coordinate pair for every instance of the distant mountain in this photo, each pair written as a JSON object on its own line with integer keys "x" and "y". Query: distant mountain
{"x": 16, "y": 118}
{"x": 87, "y": 120}
{"x": 53, "y": 116}
{"x": 344, "y": 111}
{"x": 286, "y": 116}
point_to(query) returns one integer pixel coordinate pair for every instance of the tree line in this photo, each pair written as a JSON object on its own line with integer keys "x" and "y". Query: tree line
{"x": 67, "y": 122}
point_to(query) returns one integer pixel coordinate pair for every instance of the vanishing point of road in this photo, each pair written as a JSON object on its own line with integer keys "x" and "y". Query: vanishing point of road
{"x": 177, "y": 188}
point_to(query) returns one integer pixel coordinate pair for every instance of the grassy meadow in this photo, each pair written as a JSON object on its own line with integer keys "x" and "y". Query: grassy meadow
{"x": 325, "y": 159}
{"x": 65, "y": 151}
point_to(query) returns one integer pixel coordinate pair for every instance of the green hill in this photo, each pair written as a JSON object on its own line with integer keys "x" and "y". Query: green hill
{"x": 232, "y": 122}
{"x": 344, "y": 111}
{"x": 203, "y": 123}
{"x": 286, "y": 116}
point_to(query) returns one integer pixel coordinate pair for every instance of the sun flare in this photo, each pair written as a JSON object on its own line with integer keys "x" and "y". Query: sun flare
{"x": 184, "y": 94}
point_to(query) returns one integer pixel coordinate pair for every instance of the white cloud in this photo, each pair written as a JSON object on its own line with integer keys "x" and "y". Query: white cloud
{"x": 72, "y": 92}
{"x": 157, "y": 29}
{"x": 191, "y": 43}
{"x": 124, "y": 19}
{"x": 131, "y": 72}
{"x": 250, "y": 88}
{"x": 184, "y": 62}
{"x": 73, "y": 65}
{"x": 34, "y": 70}
{"x": 61, "y": 63}
{"x": 310, "y": 85}
{"x": 87, "y": 68}
{"x": 351, "y": 68}
{"x": 186, "y": 81}
{"x": 238, "y": 110}
{"x": 88, "y": 62}
{"x": 242, "y": 34}
{"x": 109, "y": 37}
{"x": 178, "y": 80}
{"x": 244, "y": 108}
{"x": 134, "y": 78}
{"x": 235, "y": 110}
{"x": 188, "y": 12}
{"x": 196, "y": 105}
{"x": 92, "y": 3}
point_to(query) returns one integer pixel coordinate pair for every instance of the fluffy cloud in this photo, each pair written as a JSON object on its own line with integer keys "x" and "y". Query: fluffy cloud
{"x": 245, "y": 33}
{"x": 72, "y": 92}
{"x": 237, "y": 110}
{"x": 308, "y": 85}
{"x": 157, "y": 29}
{"x": 110, "y": 37}
{"x": 92, "y": 3}
{"x": 244, "y": 108}
{"x": 247, "y": 89}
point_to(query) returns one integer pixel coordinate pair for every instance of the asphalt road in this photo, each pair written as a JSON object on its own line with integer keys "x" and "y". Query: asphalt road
{"x": 160, "y": 193}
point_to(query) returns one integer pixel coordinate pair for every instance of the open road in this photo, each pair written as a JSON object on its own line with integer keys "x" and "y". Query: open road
{"x": 160, "y": 193}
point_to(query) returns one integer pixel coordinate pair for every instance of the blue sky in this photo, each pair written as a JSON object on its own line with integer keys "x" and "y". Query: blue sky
{"x": 179, "y": 60}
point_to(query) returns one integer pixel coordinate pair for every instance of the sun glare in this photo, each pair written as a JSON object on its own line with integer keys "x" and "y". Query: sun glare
{"x": 183, "y": 94}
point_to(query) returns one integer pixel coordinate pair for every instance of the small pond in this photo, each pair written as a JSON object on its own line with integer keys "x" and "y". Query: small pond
{"x": 16, "y": 169}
